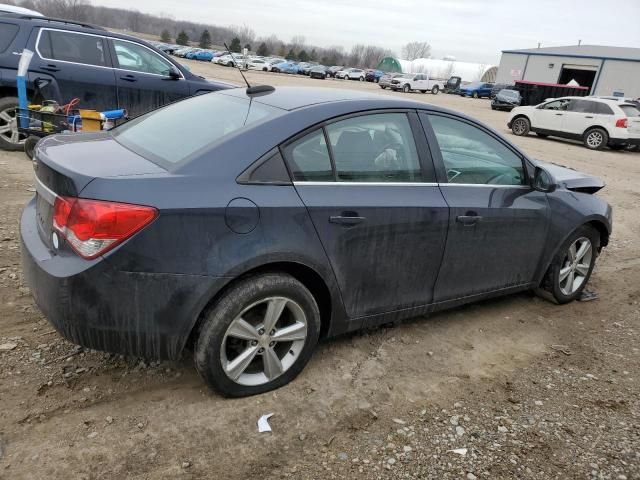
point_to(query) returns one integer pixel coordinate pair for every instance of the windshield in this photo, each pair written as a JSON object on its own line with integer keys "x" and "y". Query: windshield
{"x": 173, "y": 133}
{"x": 509, "y": 93}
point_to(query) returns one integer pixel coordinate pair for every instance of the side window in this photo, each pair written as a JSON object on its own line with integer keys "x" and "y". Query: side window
{"x": 8, "y": 32}
{"x": 374, "y": 148}
{"x": 309, "y": 159}
{"x": 472, "y": 156}
{"x": 72, "y": 47}
{"x": 131, "y": 56}
{"x": 603, "y": 109}
{"x": 582, "y": 106}
{"x": 556, "y": 105}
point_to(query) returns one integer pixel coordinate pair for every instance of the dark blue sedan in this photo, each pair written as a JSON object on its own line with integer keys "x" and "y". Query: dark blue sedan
{"x": 282, "y": 217}
{"x": 476, "y": 90}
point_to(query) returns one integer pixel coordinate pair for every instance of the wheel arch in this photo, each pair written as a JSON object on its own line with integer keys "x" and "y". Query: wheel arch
{"x": 591, "y": 127}
{"x": 305, "y": 274}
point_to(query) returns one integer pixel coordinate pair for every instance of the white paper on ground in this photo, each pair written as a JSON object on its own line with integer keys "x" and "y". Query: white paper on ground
{"x": 263, "y": 423}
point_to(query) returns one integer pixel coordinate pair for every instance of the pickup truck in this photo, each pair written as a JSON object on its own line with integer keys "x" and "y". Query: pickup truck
{"x": 409, "y": 82}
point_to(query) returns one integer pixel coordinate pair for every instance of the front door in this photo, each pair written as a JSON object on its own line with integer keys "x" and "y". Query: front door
{"x": 550, "y": 116}
{"x": 81, "y": 66}
{"x": 498, "y": 224}
{"x": 371, "y": 197}
{"x": 143, "y": 78}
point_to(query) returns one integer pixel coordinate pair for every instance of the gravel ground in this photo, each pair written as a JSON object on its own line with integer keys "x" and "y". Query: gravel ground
{"x": 508, "y": 388}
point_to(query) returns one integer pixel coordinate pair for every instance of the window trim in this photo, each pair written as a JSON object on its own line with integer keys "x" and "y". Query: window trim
{"x": 113, "y": 47}
{"x": 441, "y": 170}
{"x": 425, "y": 155}
{"x": 108, "y": 59}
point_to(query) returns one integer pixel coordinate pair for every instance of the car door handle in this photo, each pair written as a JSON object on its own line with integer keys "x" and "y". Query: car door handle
{"x": 346, "y": 220}
{"x": 129, "y": 78}
{"x": 50, "y": 68}
{"x": 468, "y": 220}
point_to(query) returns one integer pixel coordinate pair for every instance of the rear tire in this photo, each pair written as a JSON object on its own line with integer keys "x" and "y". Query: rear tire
{"x": 435, "y": 90}
{"x": 406, "y": 88}
{"x": 383, "y": 87}
{"x": 10, "y": 139}
{"x": 475, "y": 95}
{"x": 595, "y": 139}
{"x": 234, "y": 328}
{"x": 30, "y": 146}
{"x": 566, "y": 278}
{"x": 520, "y": 126}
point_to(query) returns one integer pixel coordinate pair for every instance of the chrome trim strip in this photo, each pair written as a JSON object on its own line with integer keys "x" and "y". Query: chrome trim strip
{"x": 45, "y": 192}
{"x": 374, "y": 184}
{"x": 483, "y": 185}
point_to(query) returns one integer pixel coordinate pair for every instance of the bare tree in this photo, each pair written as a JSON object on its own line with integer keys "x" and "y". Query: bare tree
{"x": 298, "y": 42}
{"x": 414, "y": 50}
{"x": 244, "y": 33}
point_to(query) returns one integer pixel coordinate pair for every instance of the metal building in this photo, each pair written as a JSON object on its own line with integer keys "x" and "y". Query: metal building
{"x": 605, "y": 70}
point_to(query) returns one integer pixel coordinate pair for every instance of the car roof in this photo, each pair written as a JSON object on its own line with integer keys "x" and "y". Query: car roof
{"x": 593, "y": 99}
{"x": 293, "y": 98}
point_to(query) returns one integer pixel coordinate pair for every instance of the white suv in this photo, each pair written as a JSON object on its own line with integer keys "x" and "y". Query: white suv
{"x": 597, "y": 122}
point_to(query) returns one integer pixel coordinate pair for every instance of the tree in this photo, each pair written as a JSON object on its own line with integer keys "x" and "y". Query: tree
{"x": 235, "y": 46}
{"x": 263, "y": 50}
{"x": 248, "y": 46}
{"x": 282, "y": 51}
{"x": 313, "y": 56}
{"x": 182, "y": 38}
{"x": 414, "y": 50}
{"x": 303, "y": 56}
{"x": 165, "y": 36}
{"x": 205, "y": 39}
{"x": 291, "y": 55}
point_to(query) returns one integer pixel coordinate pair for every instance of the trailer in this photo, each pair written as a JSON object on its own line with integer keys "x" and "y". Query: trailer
{"x": 534, "y": 93}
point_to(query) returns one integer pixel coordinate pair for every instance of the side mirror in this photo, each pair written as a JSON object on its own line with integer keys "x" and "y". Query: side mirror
{"x": 543, "y": 181}
{"x": 174, "y": 73}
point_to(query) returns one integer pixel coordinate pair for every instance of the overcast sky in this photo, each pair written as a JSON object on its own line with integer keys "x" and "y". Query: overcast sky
{"x": 471, "y": 30}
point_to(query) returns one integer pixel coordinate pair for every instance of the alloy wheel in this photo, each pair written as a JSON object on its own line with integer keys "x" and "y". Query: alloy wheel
{"x": 519, "y": 126}
{"x": 9, "y": 127}
{"x": 264, "y": 341}
{"x": 595, "y": 139}
{"x": 575, "y": 266}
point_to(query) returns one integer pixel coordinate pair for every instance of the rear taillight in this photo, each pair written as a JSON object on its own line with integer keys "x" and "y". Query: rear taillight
{"x": 93, "y": 227}
{"x": 622, "y": 123}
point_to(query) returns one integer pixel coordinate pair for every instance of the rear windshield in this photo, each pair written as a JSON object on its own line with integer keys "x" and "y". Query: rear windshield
{"x": 630, "y": 110}
{"x": 176, "y": 132}
{"x": 509, "y": 93}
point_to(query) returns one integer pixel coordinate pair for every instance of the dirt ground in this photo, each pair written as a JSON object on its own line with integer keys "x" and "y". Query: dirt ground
{"x": 509, "y": 388}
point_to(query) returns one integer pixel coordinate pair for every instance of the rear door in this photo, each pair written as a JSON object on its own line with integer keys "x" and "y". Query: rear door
{"x": 372, "y": 197}
{"x": 143, "y": 79}
{"x": 80, "y": 63}
{"x": 582, "y": 114}
{"x": 498, "y": 224}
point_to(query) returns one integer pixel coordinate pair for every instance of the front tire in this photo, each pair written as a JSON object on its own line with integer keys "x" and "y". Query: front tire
{"x": 595, "y": 139}
{"x": 258, "y": 336}
{"x": 475, "y": 95}
{"x": 383, "y": 87}
{"x": 520, "y": 126}
{"x": 10, "y": 138}
{"x": 571, "y": 267}
{"x": 406, "y": 88}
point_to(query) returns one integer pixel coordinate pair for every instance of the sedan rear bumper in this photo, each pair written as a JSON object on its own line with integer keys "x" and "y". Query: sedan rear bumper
{"x": 97, "y": 306}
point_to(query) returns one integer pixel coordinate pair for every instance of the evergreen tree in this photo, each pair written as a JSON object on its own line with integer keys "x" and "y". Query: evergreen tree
{"x": 303, "y": 56}
{"x": 248, "y": 47}
{"x": 235, "y": 46}
{"x": 314, "y": 55}
{"x": 165, "y": 36}
{"x": 263, "y": 50}
{"x": 205, "y": 39}
{"x": 291, "y": 55}
{"x": 182, "y": 38}
{"x": 282, "y": 51}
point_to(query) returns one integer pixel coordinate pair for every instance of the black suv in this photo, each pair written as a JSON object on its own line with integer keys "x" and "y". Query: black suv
{"x": 105, "y": 70}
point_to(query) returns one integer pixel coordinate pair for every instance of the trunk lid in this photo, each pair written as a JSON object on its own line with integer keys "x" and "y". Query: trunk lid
{"x": 65, "y": 164}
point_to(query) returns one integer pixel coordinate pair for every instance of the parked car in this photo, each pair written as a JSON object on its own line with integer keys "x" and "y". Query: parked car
{"x": 12, "y": 9}
{"x": 231, "y": 60}
{"x": 257, "y": 64}
{"x": 497, "y": 87}
{"x": 271, "y": 62}
{"x": 506, "y": 99}
{"x": 305, "y": 67}
{"x": 319, "y": 71}
{"x": 190, "y": 55}
{"x": 373, "y": 75}
{"x": 597, "y": 122}
{"x": 203, "y": 55}
{"x": 409, "y": 82}
{"x": 183, "y": 52}
{"x": 453, "y": 85}
{"x": 335, "y": 69}
{"x": 476, "y": 90}
{"x": 141, "y": 245}
{"x": 286, "y": 67}
{"x": 385, "y": 80}
{"x": 344, "y": 74}
{"x": 104, "y": 69}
